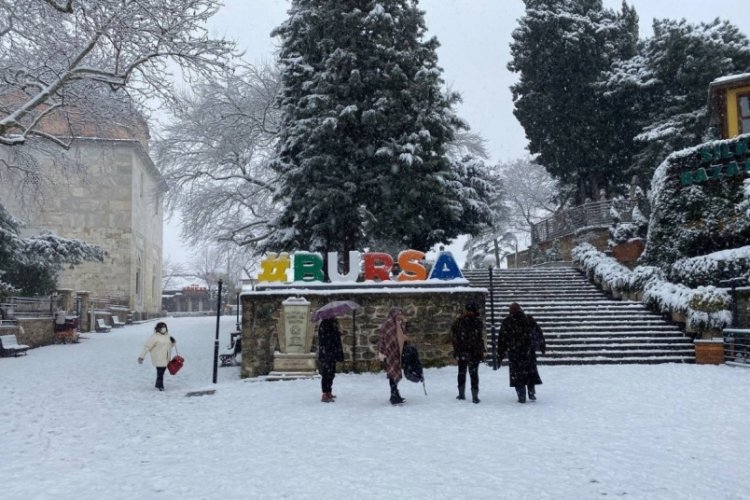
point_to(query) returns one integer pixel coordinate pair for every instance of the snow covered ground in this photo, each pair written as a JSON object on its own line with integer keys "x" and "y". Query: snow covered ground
{"x": 83, "y": 421}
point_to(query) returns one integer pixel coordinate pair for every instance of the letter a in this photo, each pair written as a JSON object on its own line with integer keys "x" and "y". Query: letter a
{"x": 445, "y": 268}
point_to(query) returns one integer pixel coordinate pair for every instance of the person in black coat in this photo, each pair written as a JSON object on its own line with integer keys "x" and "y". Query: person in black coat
{"x": 330, "y": 351}
{"x": 516, "y": 340}
{"x": 468, "y": 349}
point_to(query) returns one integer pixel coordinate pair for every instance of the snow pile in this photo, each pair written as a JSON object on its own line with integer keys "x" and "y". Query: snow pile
{"x": 705, "y": 307}
{"x": 84, "y": 421}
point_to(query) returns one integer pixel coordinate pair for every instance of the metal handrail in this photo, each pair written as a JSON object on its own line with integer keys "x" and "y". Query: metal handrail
{"x": 568, "y": 221}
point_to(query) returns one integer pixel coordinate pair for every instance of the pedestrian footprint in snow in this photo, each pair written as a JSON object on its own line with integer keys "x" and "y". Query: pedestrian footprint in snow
{"x": 159, "y": 345}
{"x": 330, "y": 351}
{"x": 516, "y": 340}
{"x": 390, "y": 348}
{"x": 468, "y": 349}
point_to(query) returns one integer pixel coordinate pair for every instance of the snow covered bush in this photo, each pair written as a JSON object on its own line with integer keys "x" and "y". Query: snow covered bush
{"x": 705, "y": 307}
{"x": 603, "y": 269}
{"x": 712, "y": 268}
{"x": 699, "y": 202}
{"x": 628, "y": 219}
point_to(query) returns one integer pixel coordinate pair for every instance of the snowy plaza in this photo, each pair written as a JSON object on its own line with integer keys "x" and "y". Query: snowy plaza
{"x": 84, "y": 421}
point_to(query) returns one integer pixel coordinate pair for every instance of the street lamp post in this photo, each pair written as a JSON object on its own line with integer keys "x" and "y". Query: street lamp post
{"x": 216, "y": 340}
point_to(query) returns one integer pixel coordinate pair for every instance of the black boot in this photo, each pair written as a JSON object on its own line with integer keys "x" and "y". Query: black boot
{"x": 461, "y": 392}
{"x": 521, "y": 392}
{"x": 396, "y": 398}
{"x": 475, "y": 395}
{"x": 532, "y": 393}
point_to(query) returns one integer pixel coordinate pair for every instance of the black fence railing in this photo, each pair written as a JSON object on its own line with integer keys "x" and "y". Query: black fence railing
{"x": 737, "y": 346}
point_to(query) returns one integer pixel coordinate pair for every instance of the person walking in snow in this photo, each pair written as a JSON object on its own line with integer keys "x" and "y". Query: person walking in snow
{"x": 468, "y": 349}
{"x": 515, "y": 340}
{"x": 390, "y": 347}
{"x": 330, "y": 351}
{"x": 159, "y": 345}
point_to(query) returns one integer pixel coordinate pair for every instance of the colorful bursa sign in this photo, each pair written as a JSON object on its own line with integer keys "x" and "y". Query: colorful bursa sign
{"x": 376, "y": 266}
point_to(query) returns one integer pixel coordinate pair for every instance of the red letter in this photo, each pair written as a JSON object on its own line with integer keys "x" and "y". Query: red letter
{"x": 378, "y": 265}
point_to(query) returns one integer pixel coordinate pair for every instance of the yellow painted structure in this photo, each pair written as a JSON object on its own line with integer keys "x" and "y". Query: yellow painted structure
{"x": 729, "y": 105}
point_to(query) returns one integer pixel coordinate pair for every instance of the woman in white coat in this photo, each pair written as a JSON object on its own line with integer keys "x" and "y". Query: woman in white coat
{"x": 160, "y": 347}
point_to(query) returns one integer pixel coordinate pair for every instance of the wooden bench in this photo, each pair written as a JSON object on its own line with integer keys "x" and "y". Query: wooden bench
{"x": 117, "y": 323}
{"x": 102, "y": 326}
{"x": 9, "y": 346}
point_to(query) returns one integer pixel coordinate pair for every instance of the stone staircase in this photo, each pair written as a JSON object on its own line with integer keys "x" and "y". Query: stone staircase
{"x": 581, "y": 324}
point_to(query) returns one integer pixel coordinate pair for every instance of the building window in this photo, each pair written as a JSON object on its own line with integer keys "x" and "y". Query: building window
{"x": 744, "y": 113}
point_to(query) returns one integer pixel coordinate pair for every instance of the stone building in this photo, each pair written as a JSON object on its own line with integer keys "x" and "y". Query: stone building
{"x": 109, "y": 195}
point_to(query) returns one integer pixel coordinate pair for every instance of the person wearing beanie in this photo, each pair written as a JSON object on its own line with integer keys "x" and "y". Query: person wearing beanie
{"x": 468, "y": 349}
{"x": 159, "y": 345}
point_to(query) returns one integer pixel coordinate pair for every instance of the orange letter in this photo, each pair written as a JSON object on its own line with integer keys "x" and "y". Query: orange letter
{"x": 411, "y": 269}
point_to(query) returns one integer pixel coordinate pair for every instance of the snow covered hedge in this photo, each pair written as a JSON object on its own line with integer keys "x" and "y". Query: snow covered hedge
{"x": 712, "y": 268}
{"x": 704, "y": 307}
{"x": 700, "y": 202}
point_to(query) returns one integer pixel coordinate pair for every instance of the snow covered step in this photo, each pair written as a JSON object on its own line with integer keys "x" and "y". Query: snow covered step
{"x": 607, "y": 329}
{"x": 605, "y": 360}
{"x": 581, "y": 323}
{"x": 612, "y": 341}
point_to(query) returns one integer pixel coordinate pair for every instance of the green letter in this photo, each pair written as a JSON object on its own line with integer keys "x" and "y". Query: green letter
{"x": 700, "y": 175}
{"x": 308, "y": 267}
{"x": 733, "y": 169}
{"x": 686, "y": 178}
{"x": 716, "y": 171}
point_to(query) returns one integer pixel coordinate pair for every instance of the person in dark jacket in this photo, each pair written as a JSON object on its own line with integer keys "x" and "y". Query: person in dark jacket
{"x": 330, "y": 351}
{"x": 537, "y": 340}
{"x": 515, "y": 340}
{"x": 468, "y": 349}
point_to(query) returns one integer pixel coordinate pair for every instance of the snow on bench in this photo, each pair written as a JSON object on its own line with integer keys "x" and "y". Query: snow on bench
{"x": 9, "y": 346}
{"x": 116, "y": 322}
{"x": 102, "y": 326}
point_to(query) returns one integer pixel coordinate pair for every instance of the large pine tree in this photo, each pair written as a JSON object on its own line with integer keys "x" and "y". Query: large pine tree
{"x": 665, "y": 85}
{"x": 559, "y": 51}
{"x": 365, "y": 126}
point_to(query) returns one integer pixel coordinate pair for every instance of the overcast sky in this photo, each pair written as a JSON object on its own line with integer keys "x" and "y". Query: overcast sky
{"x": 474, "y": 37}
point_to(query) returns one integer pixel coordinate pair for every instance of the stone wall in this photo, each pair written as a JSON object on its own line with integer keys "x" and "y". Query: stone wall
{"x": 36, "y": 332}
{"x": 115, "y": 205}
{"x": 429, "y": 316}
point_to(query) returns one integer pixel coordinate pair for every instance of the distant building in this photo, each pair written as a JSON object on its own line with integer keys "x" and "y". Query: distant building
{"x": 185, "y": 294}
{"x": 114, "y": 203}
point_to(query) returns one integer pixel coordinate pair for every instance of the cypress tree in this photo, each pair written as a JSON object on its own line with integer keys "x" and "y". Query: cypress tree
{"x": 559, "y": 51}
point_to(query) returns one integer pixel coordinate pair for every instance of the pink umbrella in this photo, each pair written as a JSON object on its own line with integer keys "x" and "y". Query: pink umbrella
{"x": 335, "y": 308}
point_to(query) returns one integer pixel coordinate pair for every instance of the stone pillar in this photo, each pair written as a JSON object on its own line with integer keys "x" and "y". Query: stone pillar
{"x": 84, "y": 321}
{"x": 65, "y": 299}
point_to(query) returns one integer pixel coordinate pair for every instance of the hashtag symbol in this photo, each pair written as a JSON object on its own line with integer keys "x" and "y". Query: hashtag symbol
{"x": 274, "y": 267}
